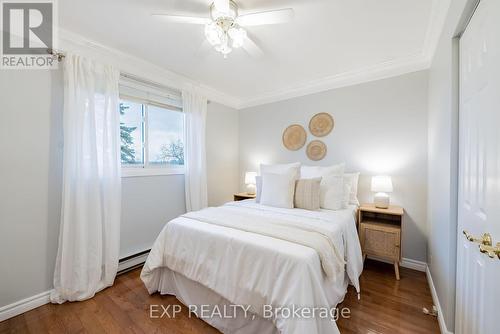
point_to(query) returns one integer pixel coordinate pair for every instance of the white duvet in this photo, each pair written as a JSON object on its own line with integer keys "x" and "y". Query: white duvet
{"x": 258, "y": 268}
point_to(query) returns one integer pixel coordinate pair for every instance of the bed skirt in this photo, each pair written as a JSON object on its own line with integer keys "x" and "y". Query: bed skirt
{"x": 195, "y": 294}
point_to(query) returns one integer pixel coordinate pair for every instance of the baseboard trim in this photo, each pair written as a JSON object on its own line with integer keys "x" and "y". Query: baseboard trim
{"x": 30, "y": 303}
{"x": 442, "y": 324}
{"x": 24, "y": 305}
{"x": 414, "y": 264}
{"x": 405, "y": 263}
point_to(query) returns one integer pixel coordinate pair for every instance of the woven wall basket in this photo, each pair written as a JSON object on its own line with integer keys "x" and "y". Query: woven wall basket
{"x": 321, "y": 124}
{"x": 316, "y": 150}
{"x": 294, "y": 137}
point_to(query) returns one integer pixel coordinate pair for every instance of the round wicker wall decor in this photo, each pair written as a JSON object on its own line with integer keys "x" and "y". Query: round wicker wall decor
{"x": 321, "y": 124}
{"x": 316, "y": 150}
{"x": 294, "y": 137}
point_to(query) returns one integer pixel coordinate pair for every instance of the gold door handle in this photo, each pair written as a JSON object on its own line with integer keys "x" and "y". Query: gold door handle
{"x": 484, "y": 240}
{"x": 490, "y": 250}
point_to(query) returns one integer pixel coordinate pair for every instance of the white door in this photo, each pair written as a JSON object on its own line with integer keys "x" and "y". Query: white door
{"x": 478, "y": 274}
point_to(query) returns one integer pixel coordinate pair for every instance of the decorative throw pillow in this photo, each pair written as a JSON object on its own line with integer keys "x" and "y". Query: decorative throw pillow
{"x": 278, "y": 190}
{"x": 332, "y": 192}
{"x": 307, "y": 194}
{"x": 332, "y": 184}
{"x": 352, "y": 180}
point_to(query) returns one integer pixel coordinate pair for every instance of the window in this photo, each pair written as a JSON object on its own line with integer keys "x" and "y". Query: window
{"x": 132, "y": 133}
{"x": 152, "y": 135}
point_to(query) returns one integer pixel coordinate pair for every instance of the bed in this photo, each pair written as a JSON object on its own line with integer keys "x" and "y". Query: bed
{"x": 287, "y": 259}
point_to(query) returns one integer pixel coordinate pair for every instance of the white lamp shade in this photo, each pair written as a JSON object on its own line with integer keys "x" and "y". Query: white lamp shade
{"x": 382, "y": 184}
{"x": 250, "y": 177}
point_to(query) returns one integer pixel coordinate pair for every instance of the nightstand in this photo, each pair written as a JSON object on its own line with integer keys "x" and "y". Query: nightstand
{"x": 380, "y": 233}
{"x": 243, "y": 196}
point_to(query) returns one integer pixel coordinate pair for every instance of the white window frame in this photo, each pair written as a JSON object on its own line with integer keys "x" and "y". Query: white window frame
{"x": 145, "y": 169}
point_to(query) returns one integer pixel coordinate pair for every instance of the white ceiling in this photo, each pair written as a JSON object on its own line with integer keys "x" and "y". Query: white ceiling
{"x": 325, "y": 39}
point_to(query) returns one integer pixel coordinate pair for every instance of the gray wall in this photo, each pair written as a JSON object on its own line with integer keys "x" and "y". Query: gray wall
{"x": 148, "y": 202}
{"x": 31, "y": 180}
{"x": 380, "y": 128}
{"x": 222, "y": 153}
{"x": 443, "y": 156}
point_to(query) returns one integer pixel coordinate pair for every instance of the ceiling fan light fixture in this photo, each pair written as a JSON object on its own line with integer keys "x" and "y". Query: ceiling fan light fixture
{"x": 237, "y": 36}
{"x": 214, "y": 33}
{"x": 224, "y": 48}
{"x": 224, "y": 29}
{"x": 231, "y": 13}
{"x": 223, "y": 33}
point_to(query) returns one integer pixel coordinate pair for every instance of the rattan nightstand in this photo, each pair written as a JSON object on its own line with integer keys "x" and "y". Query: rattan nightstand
{"x": 380, "y": 233}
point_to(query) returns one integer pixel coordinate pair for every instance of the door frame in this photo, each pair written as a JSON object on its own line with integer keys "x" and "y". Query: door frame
{"x": 468, "y": 13}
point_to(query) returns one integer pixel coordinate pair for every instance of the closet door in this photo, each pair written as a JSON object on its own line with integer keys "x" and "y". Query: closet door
{"x": 478, "y": 261}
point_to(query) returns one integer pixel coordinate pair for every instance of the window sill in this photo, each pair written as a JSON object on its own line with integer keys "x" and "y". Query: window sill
{"x": 138, "y": 172}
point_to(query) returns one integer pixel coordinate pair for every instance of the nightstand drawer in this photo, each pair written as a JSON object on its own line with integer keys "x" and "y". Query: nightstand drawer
{"x": 382, "y": 240}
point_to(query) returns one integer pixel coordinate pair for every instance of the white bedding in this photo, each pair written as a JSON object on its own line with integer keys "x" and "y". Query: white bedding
{"x": 253, "y": 269}
{"x": 310, "y": 233}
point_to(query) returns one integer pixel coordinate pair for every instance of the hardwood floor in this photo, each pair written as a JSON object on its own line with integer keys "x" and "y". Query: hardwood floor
{"x": 386, "y": 306}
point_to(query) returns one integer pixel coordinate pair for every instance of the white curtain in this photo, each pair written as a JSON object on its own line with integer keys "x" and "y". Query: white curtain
{"x": 89, "y": 235}
{"x": 195, "y": 107}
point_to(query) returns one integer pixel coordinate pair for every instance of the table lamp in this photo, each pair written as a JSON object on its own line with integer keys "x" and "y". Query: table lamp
{"x": 381, "y": 186}
{"x": 250, "y": 182}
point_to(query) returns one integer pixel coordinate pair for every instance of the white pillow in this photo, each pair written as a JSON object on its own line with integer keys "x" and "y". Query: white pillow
{"x": 346, "y": 195}
{"x": 278, "y": 190}
{"x": 332, "y": 191}
{"x": 281, "y": 169}
{"x": 352, "y": 180}
{"x": 274, "y": 169}
{"x": 311, "y": 172}
{"x": 258, "y": 188}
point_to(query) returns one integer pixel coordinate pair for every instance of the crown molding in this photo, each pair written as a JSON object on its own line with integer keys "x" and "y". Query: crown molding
{"x": 379, "y": 71}
{"x": 417, "y": 62}
{"x": 72, "y": 42}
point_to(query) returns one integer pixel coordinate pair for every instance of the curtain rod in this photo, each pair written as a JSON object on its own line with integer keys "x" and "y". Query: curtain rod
{"x": 59, "y": 55}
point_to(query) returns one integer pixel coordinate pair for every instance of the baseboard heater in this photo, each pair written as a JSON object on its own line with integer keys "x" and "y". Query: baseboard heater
{"x": 132, "y": 262}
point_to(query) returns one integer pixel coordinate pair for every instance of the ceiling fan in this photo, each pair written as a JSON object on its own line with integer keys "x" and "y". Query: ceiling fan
{"x": 224, "y": 26}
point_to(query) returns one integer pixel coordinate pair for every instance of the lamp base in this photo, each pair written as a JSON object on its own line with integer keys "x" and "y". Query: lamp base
{"x": 382, "y": 200}
{"x": 250, "y": 189}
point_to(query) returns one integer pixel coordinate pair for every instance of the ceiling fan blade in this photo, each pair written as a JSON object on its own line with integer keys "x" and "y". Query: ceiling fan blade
{"x": 252, "y": 48}
{"x": 182, "y": 18}
{"x": 222, "y": 5}
{"x": 269, "y": 17}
